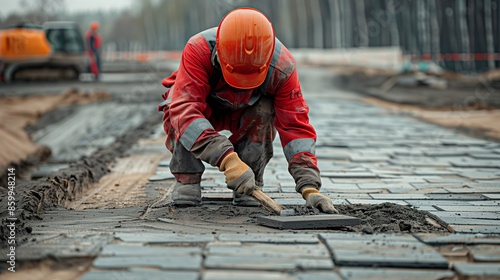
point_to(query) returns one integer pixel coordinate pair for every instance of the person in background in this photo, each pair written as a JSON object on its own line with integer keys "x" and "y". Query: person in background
{"x": 93, "y": 45}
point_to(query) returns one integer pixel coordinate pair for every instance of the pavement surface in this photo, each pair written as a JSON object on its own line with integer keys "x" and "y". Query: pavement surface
{"x": 124, "y": 227}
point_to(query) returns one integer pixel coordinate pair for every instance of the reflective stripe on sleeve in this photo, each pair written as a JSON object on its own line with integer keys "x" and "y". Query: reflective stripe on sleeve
{"x": 193, "y": 131}
{"x": 298, "y": 146}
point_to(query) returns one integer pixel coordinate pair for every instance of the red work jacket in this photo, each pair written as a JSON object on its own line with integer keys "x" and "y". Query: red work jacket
{"x": 193, "y": 83}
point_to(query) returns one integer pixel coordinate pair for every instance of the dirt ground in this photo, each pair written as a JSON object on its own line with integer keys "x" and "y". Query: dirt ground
{"x": 18, "y": 112}
{"x": 483, "y": 121}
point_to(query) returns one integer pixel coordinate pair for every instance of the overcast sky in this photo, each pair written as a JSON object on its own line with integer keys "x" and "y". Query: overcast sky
{"x": 9, "y": 6}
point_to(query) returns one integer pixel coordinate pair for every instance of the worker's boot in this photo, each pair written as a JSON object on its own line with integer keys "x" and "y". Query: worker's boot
{"x": 186, "y": 194}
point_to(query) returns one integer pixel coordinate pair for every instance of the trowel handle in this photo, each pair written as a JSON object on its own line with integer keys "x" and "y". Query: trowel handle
{"x": 267, "y": 202}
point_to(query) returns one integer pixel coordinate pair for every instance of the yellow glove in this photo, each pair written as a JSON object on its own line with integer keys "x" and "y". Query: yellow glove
{"x": 317, "y": 200}
{"x": 239, "y": 176}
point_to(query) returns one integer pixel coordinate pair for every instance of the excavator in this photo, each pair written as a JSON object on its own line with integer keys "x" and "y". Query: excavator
{"x": 54, "y": 51}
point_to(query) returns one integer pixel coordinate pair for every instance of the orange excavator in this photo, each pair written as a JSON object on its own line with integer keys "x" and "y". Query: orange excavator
{"x": 54, "y": 51}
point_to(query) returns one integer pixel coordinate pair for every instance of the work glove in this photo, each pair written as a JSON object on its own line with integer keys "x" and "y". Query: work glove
{"x": 239, "y": 176}
{"x": 317, "y": 200}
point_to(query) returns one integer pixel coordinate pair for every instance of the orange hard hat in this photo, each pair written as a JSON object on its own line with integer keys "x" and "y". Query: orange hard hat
{"x": 245, "y": 46}
{"x": 94, "y": 25}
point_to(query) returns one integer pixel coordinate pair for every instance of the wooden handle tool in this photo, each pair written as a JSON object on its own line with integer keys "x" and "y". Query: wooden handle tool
{"x": 271, "y": 205}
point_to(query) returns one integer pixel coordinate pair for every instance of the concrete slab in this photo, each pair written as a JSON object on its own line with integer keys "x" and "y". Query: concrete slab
{"x": 383, "y": 250}
{"x": 283, "y": 238}
{"x": 393, "y": 274}
{"x": 153, "y": 238}
{"x": 139, "y": 274}
{"x": 266, "y": 263}
{"x": 478, "y": 269}
{"x": 308, "y": 222}
{"x": 439, "y": 240}
{"x": 177, "y": 262}
{"x": 139, "y": 250}
{"x": 161, "y": 177}
{"x": 245, "y": 275}
{"x": 275, "y": 250}
{"x": 485, "y": 253}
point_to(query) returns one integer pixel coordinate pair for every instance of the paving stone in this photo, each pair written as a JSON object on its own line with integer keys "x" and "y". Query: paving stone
{"x": 280, "y": 250}
{"x": 469, "y": 215}
{"x": 139, "y": 250}
{"x": 430, "y": 202}
{"x": 382, "y": 185}
{"x": 456, "y": 196}
{"x": 440, "y": 179}
{"x": 317, "y": 276}
{"x": 471, "y": 208}
{"x": 393, "y": 274}
{"x": 357, "y": 175}
{"x": 161, "y": 177}
{"x": 308, "y": 222}
{"x": 177, "y": 262}
{"x": 384, "y": 250}
{"x": 485, "y": 253}
{"x": 139, "y": 274}
{"x": 284, "y": 238}
{"x": 245, "y": 275}
{"x": 165, "y": 162}
{"x": 375, "y": 201}
{"x": 467, "y": 221}
{"x": 398, "y": 196}
{"x": 476, "y": 163}
{"x": 492, "y": 196}
{"x": 475, "y": 229}
{"x": 478, "y": 269}
{"x": 164, "y": 238}
{"x": 266, "y": 263}
{"x": 457, "y": 238}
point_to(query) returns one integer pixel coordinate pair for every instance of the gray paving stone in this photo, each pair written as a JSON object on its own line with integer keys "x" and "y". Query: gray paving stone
{"x": 457, "y": 238}
{"x": 266, "y": 263}
{"x": 161, "y": 177}
{"x": 469, "y": 215}
{"x": 430, "y": 202}
{"x": 317, "y": 276}
{"x": 492, "y": 196}
{"x": 357, "y": 175}
{"x": 475, "y": 229}
{"x": 476, "y": 163}
{"x": 140, "y": 250}
{"x": 177, "y": 262}
{"x": 283, "y": 238}
{"x": 477, "y": 269}
{"x": 471, "y": 208}
{"x": 440, "y": 179}
{"x": 153, "y": 238}
{"x": 456, "y": 196}
{"x": 375, "y": 201}
{"x": 485, "y": 253}
{"x": 274, "y": 250}
{"x": 308, "y": 222}
{"x": 398, "y": 196}
{"x": 245, "y": 275}
{"x": 165, "y": 162}
{"x": 139, "y": 274}
{"x": 394, "y": 274}
{"x": 384, "y": 250}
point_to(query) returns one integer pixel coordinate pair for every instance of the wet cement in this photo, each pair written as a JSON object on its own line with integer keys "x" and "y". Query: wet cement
{"x": 381, "y": 218}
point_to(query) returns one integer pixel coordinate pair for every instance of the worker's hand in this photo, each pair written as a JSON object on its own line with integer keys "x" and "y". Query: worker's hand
{"x": 315, "y": 199}
{"x": 239, "y": 177}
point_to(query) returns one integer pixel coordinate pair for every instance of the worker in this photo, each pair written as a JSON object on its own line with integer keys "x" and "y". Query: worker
{"x": 238, "y": 77}
{"x": 93, "y": 46}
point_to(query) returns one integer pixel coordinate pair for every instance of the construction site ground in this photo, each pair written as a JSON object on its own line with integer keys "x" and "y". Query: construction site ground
{"x": 99, "y": 207}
